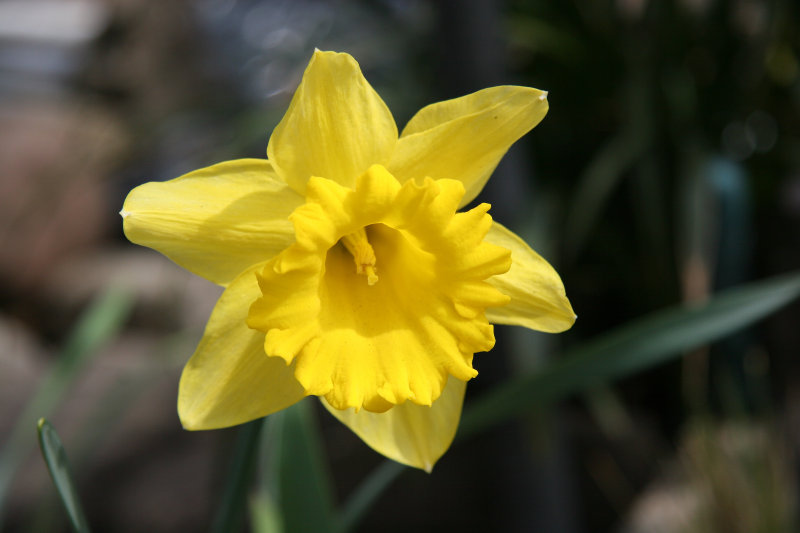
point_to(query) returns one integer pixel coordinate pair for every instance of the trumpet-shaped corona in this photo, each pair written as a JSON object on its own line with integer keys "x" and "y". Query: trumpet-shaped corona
{"x": 377, "y": 342}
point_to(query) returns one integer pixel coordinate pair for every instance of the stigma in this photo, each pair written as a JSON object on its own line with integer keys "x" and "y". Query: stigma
{"x": 363, "y": 254}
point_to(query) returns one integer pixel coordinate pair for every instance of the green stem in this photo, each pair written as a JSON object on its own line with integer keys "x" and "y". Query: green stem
{"x": 240, "y": 474}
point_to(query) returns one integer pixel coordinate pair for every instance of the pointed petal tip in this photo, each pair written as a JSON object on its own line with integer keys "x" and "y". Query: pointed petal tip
{"x": 124, "y": 214}
{"x": 408, "y": 433}
{"x": 439, "y": 141}
{"x": 187, "y": 423}
{"x": 190, "y": 419}
{"x": 335, "y": 127}
{"x": 538, "y": 299}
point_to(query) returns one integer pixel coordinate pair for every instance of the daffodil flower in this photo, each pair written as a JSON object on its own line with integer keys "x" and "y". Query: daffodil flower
{"x": 349, "y": 272}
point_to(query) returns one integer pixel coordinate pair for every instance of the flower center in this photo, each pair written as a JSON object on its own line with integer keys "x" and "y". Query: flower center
{"x": 374, "y": 345}
{"x": 363, "y": 254}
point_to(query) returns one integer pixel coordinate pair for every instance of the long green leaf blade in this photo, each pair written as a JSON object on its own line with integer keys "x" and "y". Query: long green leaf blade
{"x": 297, "y": 471}
{"x": 635, "y": 346}
{"x": 367, "y": 493}
{"x": 265, "y": 515}
{"x": 55, "y": 457}
{"x": 234, "y": 498}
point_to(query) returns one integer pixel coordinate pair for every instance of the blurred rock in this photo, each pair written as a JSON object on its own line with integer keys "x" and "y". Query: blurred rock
{"x": 150, "y": 61}
{"x": 22, "y": 362}
{"x": 53, "y": 188}
{"x": 168, "y": 298}
{"x": 735, "y": 477}
{"x": 668, "y": 506}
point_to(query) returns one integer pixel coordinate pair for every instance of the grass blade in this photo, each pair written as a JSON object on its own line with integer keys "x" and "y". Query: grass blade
{"x": 55, "y": 457}
{"x": 596, "y": 186}
{"x": 367, "y": 493}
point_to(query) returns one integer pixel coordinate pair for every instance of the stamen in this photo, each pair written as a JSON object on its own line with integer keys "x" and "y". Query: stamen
{"x": 363, "y": 254}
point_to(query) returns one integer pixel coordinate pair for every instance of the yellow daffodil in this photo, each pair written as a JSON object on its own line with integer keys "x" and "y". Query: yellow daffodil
{"x": 349, "y": 273}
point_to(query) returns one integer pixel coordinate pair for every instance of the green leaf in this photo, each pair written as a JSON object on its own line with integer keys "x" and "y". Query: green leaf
{"x": 610, "y": 164}
{"x": 231, "y": 510}
{"x": 265, "y": 514}
{"x": 596, "y": 185}
{"x": 55, "y": 457}
{"x": 99, "y": 323}
{"x": 636, "y": 346}
{"x": 296, "y": 471}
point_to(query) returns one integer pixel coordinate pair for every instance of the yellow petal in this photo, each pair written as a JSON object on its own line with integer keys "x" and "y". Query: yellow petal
{"x": 230, "y": 380}
{"x": 465, "y": 138}
{"x": 216, "y": 221}
{"x": 415, "y": 435}
{"x": 538, "y": 299}
{"x": 336, "y": 125}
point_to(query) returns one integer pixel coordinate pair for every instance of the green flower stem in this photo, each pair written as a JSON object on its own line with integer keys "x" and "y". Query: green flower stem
{"x": 240, "y": 474}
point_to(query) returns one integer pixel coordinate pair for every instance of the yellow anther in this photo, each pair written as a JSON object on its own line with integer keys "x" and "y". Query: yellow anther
{"x": 363, "y": 254}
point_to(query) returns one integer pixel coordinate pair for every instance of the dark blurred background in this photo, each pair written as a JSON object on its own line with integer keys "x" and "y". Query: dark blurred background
{"x": 667, "y": 169}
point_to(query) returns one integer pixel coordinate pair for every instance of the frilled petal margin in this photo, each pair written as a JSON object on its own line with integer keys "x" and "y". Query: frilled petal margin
{"x": 375, "y": 342}
{"x": 230, "y": 380}
{"x": 415, "y": 435}
{"x": 336, "y": 125}
{"x": 216, "y": 221}
{"x": 465, "y": 138}
{"x": 538, "y": 298}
